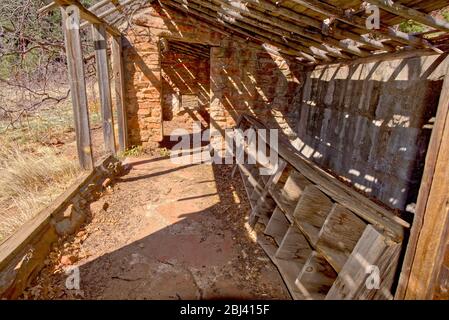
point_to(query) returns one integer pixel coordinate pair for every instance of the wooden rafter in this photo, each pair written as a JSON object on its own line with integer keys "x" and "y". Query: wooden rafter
{"x": 230, "y": 16}
{"x": 89, "y": 16}
{"x": 259, "y": 38}
{"x": 317, "y": 25}
{"x": 110, "y": 11}
{"x": 299, "y": 30}
{"x": 409, "y": 13}
{"x": 387, "y": 31}
{"x": 292, "y": 31}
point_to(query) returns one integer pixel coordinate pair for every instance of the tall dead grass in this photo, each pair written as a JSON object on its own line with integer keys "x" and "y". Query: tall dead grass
{"x": 29, "y": 181}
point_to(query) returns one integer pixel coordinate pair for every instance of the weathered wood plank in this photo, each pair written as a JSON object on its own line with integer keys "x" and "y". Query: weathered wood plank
{"x": 409, "y": 13}
{"x": 316, "y": 277}
{"x": 88, "y": 15}
{"x": 432, "y": 209}
{"x": 372, "y": 250}
{"x": 339, "y": 235}
{"x": 366, "y": 209}
{"x": 265, "y": 205}
{"x": 101, "y": 56}
{"x": 277, "y": 226}
{"x": 311, "y": 211}
{"x": 294, "y": 247}
{"x": 287, "y": 191}
{"x": 119, "y": 86}
{"x": 70, "y": 25}
{"x": 288, "y": 269}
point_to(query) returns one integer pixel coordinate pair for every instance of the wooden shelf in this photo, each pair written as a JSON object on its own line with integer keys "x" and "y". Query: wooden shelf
{"x": 316, "y": 277}
{"x": 317, "y": 230}
{"x": 277, "y": 226}
{"x": 339, "y": 235}
{"x": 311, "y": 212}
{"x": 287, "y": 269}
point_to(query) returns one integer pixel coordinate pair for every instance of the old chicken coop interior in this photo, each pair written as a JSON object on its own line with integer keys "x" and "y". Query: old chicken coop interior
{"x": 357, "y": 206}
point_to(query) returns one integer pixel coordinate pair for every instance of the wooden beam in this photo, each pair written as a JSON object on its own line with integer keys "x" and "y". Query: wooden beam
{"x": 292, "y": 31}
{"x": 119, "y": 85}
{"x": 70, "y": 25}
{"x": 308, "y": 21}
{"x": 306, "y": 36}
{"x": 332, "y": 11}
{"x": 109, "y": 11}
{"x": 428, "y": 237}
{"x": 49, "y": 7}
{"x": 412, "y": 14}
{"x": 259, "y": 38}
{"x": 88, "y": 15}
{"x": 101, "y": 56}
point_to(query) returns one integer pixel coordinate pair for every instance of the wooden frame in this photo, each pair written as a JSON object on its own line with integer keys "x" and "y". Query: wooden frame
{"x": 429, "y": 234}
{"x": 71, "y": 20}
{"x": 72, "y": 12}
{"x": 99, "y": 38}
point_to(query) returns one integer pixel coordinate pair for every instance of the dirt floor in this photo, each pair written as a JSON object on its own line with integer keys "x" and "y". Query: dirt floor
{"x": 164, "y": 231}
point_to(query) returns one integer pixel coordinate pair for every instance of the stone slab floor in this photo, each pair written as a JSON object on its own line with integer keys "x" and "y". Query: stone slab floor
{"x": 164, "y": 231}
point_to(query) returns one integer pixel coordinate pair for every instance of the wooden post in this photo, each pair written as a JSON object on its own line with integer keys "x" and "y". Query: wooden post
{"x": 119, "y": 83}
{"x": 70, "y": 25}
{"x": 101, "y": 57}
{"x": 428, "y": 239}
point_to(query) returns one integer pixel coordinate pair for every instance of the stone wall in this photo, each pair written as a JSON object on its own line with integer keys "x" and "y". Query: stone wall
{"x": 370, "y": 123}
{"x": 245, "y": 77}
{"x": 143, "y": 67}
{"x": 182, "y": 75}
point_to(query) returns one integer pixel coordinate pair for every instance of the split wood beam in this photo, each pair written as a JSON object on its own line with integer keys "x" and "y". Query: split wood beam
{"x": 119, "y": 86}
{"x": 110, "y": 11}
{"x": 412, "y": 14}
{"x": 292, "y": 31}
{"x": 70, "y": 25}
{"x": 332, "y": 11}
{"x": 99, "y": 37}
{"x": 49, "y": 7}
{"x": 429, "y": 233}
{"x": 89, "y": 16}
{"x": 259, "y": 38}
{"x": 302, "y": 19}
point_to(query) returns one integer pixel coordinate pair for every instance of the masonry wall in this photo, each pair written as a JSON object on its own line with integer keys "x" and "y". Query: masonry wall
{"x": 244, "y": 76}
{"x": 371, "y": 123}
{"x": 184, "y": 74}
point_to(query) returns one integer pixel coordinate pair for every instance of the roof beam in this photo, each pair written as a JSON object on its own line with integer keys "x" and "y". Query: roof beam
{"x": 412, "y": 14}
{"x": 108, "y": 12}
{"x": 255, "y": 28}
{"x": 308, "y": 21}
{"x": 230, "y": 13}
{"x": 305, "y": 36}
{"x": 49, "y": 7}
{"x": 88, "y": 15}
{"x": 238, "y": 30}
{"x": 331, "y": 11}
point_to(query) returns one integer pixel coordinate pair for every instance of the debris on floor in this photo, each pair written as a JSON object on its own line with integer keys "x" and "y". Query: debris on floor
{"x": 163, "y": 231}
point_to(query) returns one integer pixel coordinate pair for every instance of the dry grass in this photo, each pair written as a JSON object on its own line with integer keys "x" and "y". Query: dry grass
{"x": 29, "y": 182}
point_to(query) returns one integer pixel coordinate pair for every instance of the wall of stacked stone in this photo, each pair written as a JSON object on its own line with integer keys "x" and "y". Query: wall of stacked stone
{"x": 245, "y": 77}
{"x": 184, "y": 74}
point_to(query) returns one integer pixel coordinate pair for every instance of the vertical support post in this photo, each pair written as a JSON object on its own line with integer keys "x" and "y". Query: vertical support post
{"x": 429, "y": 233}
{"x": 70, "y": 25}
{"x": 101, "y": 56}
{"x": 119, "y": 84}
